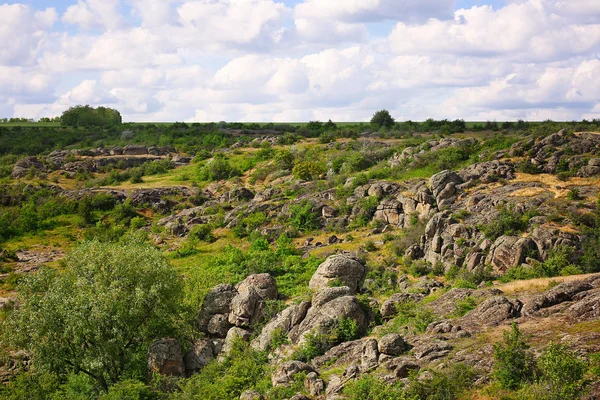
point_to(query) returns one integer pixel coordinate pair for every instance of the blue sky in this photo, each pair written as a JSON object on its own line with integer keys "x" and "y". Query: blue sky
{"x": 300, "y": 60}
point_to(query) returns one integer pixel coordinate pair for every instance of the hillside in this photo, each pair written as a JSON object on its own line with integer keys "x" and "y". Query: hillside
{"x": 436, "y": 261}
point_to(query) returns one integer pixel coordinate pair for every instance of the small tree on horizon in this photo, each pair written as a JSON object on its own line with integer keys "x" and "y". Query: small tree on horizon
{"x": 382, "y": 119}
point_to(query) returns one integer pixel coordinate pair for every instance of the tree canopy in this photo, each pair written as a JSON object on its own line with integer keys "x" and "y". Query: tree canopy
{"x": 90, "y": 116}
{"x": 382, "y": 119}
{"x": 99, "y": 315}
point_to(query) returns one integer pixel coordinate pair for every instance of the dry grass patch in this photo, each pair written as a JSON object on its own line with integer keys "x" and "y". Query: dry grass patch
{"x": 536, "y": 285}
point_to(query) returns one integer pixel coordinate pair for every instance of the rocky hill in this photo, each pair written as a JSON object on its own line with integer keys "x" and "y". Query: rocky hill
{"x": 365, "y": 268}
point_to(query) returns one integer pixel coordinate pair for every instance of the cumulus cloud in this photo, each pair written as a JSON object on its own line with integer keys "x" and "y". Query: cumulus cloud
{"x": 263, "y": 60}
{"x": 23, "y": 31}
{"x": 94, "y": 14}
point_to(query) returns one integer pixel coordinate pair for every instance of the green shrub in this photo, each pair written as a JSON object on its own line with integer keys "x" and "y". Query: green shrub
{"x": 130, "y": 390}
{"x": 573, "y": 195}
{"x": 367, "y": 387}
{"x": 303, "y": 218}
{"x": 563, "y": 371}
{"x": 514, "y": 364}
{"x": 446, "y": 385}
{"x": 462, "y": 307}
{"x": 217, "y": 169}
{"x": 527, "y": 167}
{"x": 308, "y": 170}
{"x": 203, "y": 232}
{"x": 508, "y": 222}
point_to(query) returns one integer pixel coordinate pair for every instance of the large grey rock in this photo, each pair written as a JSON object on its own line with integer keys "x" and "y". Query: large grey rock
{"x": 263, "y": 284}
{"x": 165, "y": 358}
{"x": 217, "y": 301}
{"x": 559, "y": 294}
{"x": 370, "y": 355}
{"x": 327, "y": 294}
{"x": 313, "y": 384}
{"x": 493, "y": 311}
{"x": 510, "y": 251}
{"x": 285, "y": 372}
{"x": 321, "y": 319}
{"x": 283, "y": 323}
{"x": 247, "y": 307}
{"x": 338, "y": 268}
{"x": 233, "y": 335}
{"x": 198, "y": 357}
{"x": 439, "y": 181}
{"x": 251, "y": 395}
{"x": 392, "y": 344}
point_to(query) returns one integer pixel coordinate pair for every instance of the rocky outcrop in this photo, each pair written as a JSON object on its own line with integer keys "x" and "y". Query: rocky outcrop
{"x": 165, "y": 358}
{"x": 284, "y": 373}
{"x": 213, "y": 317}
{"x": 494, "y": 311}
{"x": 247, "y": 306}
{"x": 559, "y": 294}
{"x": 24, "y": 165}
{"x": 510, "y": 251}
{"x": 200, "y": 354}
{"x": 392, "y": 344}
{"x": 324, "y": 318}
{"x": 282, "y": 323}
{"x": 341, "y": 270}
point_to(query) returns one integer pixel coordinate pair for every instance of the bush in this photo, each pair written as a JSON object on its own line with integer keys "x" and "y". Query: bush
{"x": 563, "y": 371}
{"x": 203, "y": 232}
{"x": 130, "y": 390}
{"x": 462, "y": 307}
{"x": 308, "y": 170}
{"x": 303, "y": 218}
{"x": 508, "y": 222}
{"x": 368, "y": 387}
{"x": 217, "y": 169}
{"x": 447, "y": 385}
{"x": 514, "y": 363}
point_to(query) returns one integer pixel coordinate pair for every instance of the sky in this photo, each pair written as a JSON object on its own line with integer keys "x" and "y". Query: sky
{"x": 302, "y": 60}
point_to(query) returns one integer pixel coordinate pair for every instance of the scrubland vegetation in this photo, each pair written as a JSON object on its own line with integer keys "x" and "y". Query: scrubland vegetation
{"x": 113, "y": 236}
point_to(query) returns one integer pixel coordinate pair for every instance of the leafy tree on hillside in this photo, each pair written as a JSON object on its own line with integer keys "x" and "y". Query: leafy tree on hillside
{"x": 98, "y": 316}
{"x": 89, "y": 116}
{"x": 382, "y": 119}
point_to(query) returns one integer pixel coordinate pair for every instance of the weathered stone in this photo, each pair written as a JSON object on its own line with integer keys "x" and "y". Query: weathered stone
{"x": 264, "y": 285}
{"x": 325, "y": 295}
{"x": 251, "y": 395}
{"x": 165, "y": 358}
{"x": 340, "y": 268}
{"x": 392, "y": 344}
{"x": 429, "y": 351}
{"x": 370, "y": 355}
{"x": 559, "y": 294}
{"x": 320, "y": 319}
{"x": 389, "y": 308}
{"x": 283, "y": 322}
{"x": 233, "y": 335}
{"x": 198, "y": 357}
{"x": 495, "y": 310}
{"x": 285, "y": 372}
{"x": 313, "y": 384}
{"x": 439, "y": 181}
{"x": 510, "y": 251}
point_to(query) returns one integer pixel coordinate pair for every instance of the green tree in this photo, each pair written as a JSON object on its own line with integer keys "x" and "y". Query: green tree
{"x": 98, "y": 316}
{"x": 89, "y": 116}
{"x": 382, "y": 119}
{"x": 514, "y": 364}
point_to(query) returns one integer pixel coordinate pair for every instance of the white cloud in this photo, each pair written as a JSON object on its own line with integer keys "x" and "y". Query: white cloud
{"x": 22, "y": 32}
{"x": 375, "y": 10}
{"x": 94, "y": 14}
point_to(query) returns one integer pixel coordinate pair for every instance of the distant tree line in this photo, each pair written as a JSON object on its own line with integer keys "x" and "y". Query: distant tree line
{"x": 90, "y": 116}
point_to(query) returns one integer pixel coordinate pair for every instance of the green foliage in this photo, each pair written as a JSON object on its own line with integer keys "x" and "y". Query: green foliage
{"x": 249, "y": 224}
{"x": 367, "y": 387}
{"x": 130, "y": 390}
{"x": 89, "y": 116}
{"x": 98, "y": 315}
{"x": 318, "y": 342}
{"x": 284, "y": 159}
{"x": 462, "y": 307}
{"x": 308, "y": 170}
{"x": 203, "y": 232}
{"x": 514, "y": 364}
{"x": 217, "y": 169}
{"x": 573, "y": 195}
{"x": 303, "y": 218}
{"x": 446, "y": 385}
{"x": 381, "y": 119}
{"x": 508, "y": 222}
{"x": 410, "y": 314}
{"x": 562, "y": 371}
{"x": 527, "y": 167}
